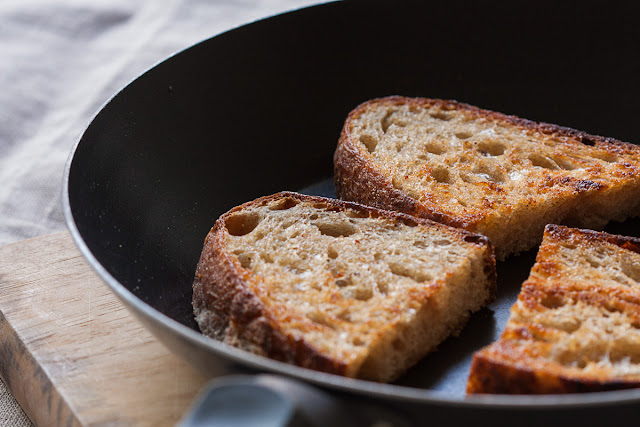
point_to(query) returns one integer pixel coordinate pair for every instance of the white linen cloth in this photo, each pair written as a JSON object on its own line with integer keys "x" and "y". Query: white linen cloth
{"x": 60, "y": 60}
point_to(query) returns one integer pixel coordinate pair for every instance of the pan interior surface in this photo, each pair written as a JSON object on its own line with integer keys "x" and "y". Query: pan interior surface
{"x": 259, "y": 109}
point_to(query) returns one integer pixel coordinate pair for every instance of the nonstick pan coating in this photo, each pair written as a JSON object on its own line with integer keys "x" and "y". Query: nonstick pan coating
{"x": 259, "y": 109}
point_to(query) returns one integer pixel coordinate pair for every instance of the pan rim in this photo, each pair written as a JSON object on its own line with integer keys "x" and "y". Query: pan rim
{"x": 391, "y": 392}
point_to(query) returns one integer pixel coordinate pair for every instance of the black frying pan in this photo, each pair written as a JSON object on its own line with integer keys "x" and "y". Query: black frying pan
{"x": 259, "y": 109}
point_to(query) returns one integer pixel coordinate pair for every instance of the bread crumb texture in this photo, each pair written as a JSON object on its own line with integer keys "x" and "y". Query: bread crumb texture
{"x": 576, "y": 324}
{"x": 488, "y": 172}
{"x": 370, "y": 290}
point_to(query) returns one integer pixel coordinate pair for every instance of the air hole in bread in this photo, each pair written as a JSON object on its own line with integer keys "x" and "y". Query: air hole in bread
{"x": 568, "y": 326}
{"x": 320, "y": 205}
{"x": 357, "y": 341}
{"x": 283, "y": 204}
{"x": 624, "y": 357}
{"x": 435, "y": 149}
{"x": 383, "y": 287}
{"x": 386, "y": 121}
{"x": 441, "y": 115}
{"x": 404, "y": 270}
{"x": 594, "y": 262}
{"x": 313, "y": 216}
{"x": 443, "y": 242}
{"x": 602, "y": 253}
{"x": 360, "y": 292}
{"x": 288, "y": 223}
{"x": 369, "y": 141}
{"x": 242, "y": 223}
{"x": 464, "y": 158}
{"x": 409, "y": 222}
{"x": 336, "y": 228}
{"x": 497, "y": 176}
{"x": 463, "y": 135}
{"x": 612, "y": 308}
{"x": 344, "y": 314}
{"x": 320, "y": 318}
{"x": 472, "y": 238}
{"x": 488, "y": 173}
{"x": 588, "y": 141}
{"x": 246, "y": 259}
{"x": 441, "y": 174}
{"x": 342, "y": 282}
{"x": 552, "y": 301}
{"x": 266, "y": 257}
{"x": 607, "y": 157}
{"x": 581, "y": 364}
{"x": 536, "y": 334}
{"x": 332, "y": 252}
{"x": 420, "y": 244}
{"x": 491, "y": 148}
{"x": 389, "y": 119}
{"x": 357, "y": 214}
{"x": 566, "y": 163}
{"x": 542, "y": 161}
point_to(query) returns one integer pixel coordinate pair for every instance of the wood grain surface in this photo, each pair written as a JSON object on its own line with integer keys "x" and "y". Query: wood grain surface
{"x": 72, "y": 354}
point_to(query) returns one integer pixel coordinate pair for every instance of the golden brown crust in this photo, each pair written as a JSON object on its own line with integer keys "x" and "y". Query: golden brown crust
{"x": 227, "y": 308}
{"x": 494, "y": 375}
{"x": 575, "y": 200}
{"x": 536, "y": 354}
{"x": 561, "y": 233}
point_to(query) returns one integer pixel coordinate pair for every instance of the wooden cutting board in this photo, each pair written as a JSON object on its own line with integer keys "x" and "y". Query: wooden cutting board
{"x": 72, "y": 354}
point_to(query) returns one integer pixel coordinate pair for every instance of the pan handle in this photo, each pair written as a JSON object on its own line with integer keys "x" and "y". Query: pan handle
{"x": 276, "y": 401}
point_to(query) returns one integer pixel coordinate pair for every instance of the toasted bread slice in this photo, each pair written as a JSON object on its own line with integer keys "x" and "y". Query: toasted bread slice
{"x": 487, "y": 172}
{"x": 336, "y": 286}
{"x": 576, "y": 324}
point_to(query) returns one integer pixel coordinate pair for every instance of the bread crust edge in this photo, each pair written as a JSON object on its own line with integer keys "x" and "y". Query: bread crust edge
{"x": 492, "y": 377}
